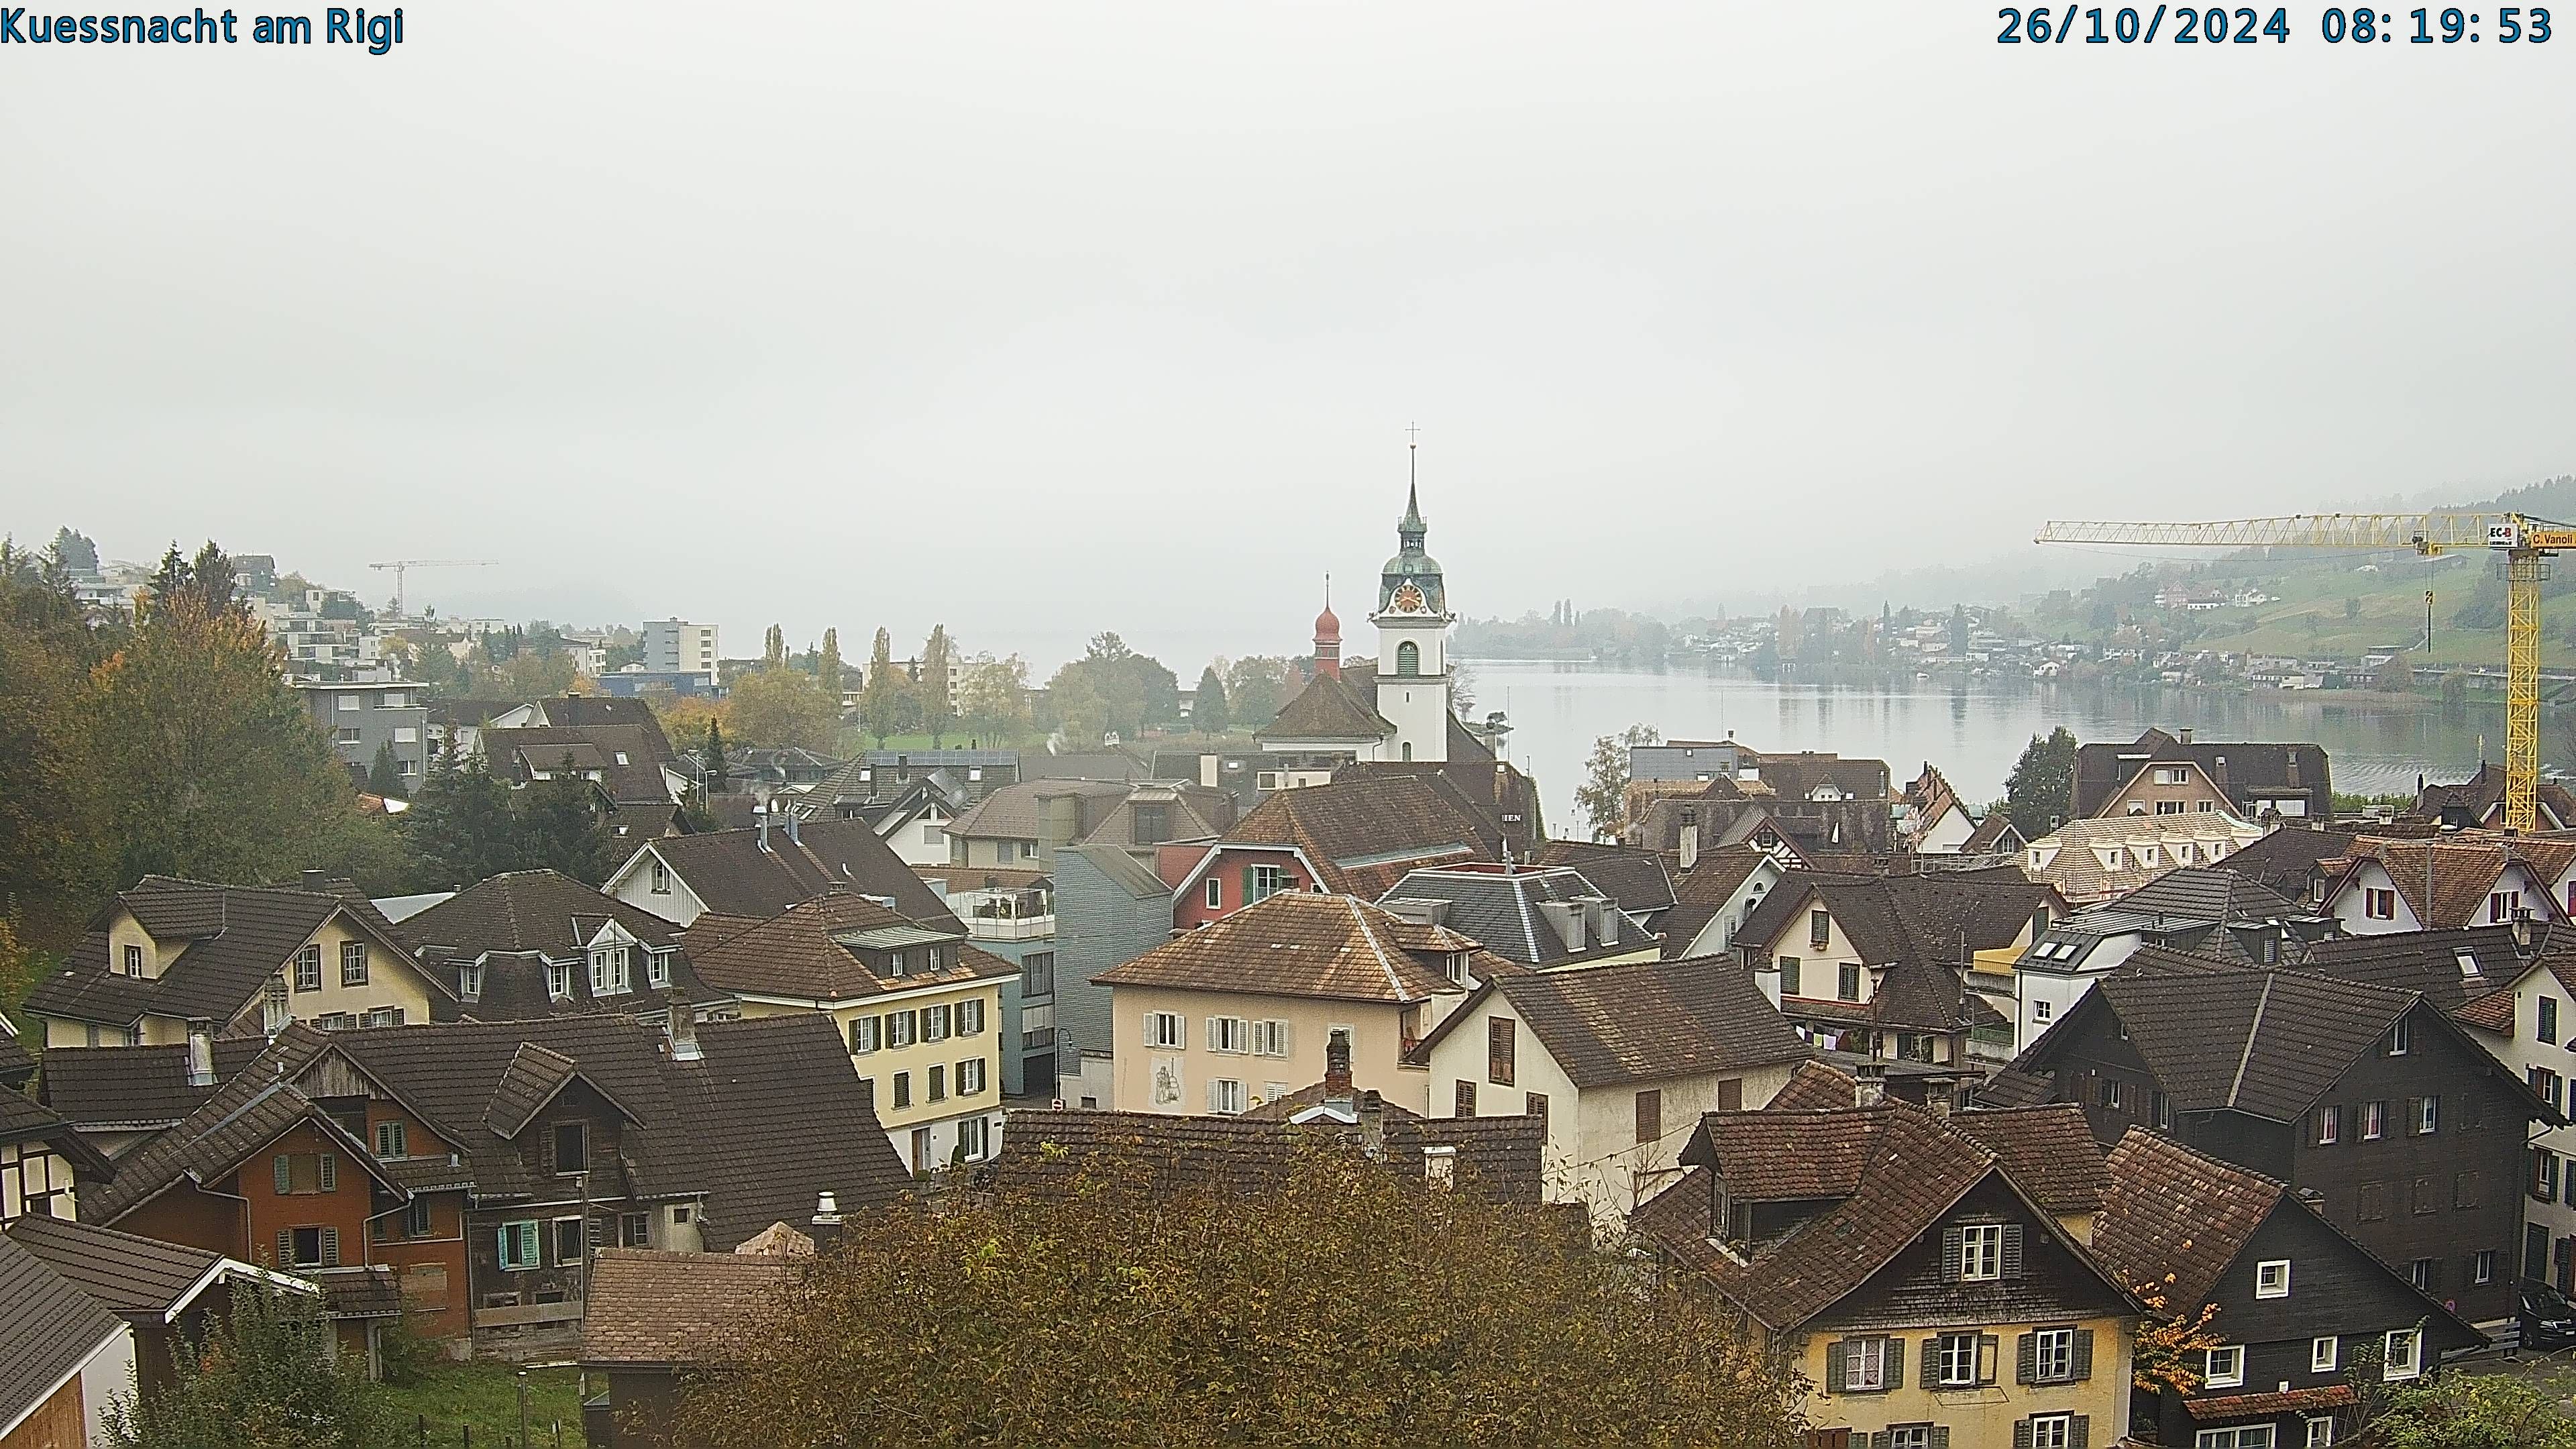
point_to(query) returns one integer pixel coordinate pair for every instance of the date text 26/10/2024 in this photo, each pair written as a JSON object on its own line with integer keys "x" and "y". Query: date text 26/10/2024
{"x": 2221, "y": 25}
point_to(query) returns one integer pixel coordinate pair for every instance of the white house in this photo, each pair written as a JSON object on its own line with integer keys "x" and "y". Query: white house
{"x": 1619, "y": 1059}
{"x": 2531, "y": 1029}
{"x": 1714, "y": 896}
{"x": 2408, "y": 885}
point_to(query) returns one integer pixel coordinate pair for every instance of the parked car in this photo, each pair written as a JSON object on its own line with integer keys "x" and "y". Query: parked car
{"x": 2548, "y": 1318}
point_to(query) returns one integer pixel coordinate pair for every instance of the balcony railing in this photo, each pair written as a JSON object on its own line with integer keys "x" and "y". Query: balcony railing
{"x": 1010, "y": 928}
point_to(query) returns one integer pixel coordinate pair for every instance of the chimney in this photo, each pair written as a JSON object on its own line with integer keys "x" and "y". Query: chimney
{"x": 1690, "y": 839}
{"x": 201, "y": 1054}
{"x": 314, "y": 880}
{"x": 1337, "y": 1071}
{"x": 1372, "y": 1119}
{"x": 1869, "y": 1085}
{"x": 684, "y": 1029}
{"x": 827, "y": 1210}
{"x": 1566, "y": 917}
{"x": 791, "y": 822}
{"x": 2183, "y": 736}
{"x": 764, "y": 829}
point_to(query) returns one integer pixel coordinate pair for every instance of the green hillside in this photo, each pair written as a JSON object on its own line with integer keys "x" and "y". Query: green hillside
{"x": 2336, "y": 604}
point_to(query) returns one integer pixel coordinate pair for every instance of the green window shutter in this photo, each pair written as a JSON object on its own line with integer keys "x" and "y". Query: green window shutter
{"x": 1932, "y": 1361}
{"x": 1940, "y": 1436}
{"x": 326, "y": 1172}
{"x": 284, "y": 1169}
{"x": 1883, "y": 1439}
{"x": 1896, "y": 1363}
{"x": 1837, "y": 1370}
{"x": 330, "y": 1247}
{"x": 1246, "y": 897}
{"x": 2083, "y": 1353}
{"x": 2080, "y": 1433}
{"x": 2026, "y": 1358}
{"x": 1987, "y": 1345}
{"x": 1954, "y": 1253}
{"x": 285, "y": 1245}
{"x": 2012, "y": 1250}
{"x": 2021, "y": 1434}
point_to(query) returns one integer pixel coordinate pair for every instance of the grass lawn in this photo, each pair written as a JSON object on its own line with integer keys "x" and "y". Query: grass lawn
{"x": 485, "y": 1396}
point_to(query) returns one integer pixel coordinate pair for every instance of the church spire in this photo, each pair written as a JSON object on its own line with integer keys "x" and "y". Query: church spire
{"x": 1410, "y": 528}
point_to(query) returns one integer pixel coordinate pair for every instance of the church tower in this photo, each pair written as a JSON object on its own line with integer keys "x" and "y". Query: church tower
{"x": 1413, "y": 622}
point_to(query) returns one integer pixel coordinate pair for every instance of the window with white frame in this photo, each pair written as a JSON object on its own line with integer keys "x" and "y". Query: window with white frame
{"x": 559, "y": 980}
{"x": 1228, "y": 1034}
{"x": 974, "y": 1134}
{"x": 469, "y": 982}
{"x": 2401, "y": 1354}
{"x": 1225, "y": 1095}
{"x": 2272, "y": 1279}
{"x": 661, "y": 877}
{"x": 970, "y": 1076}
{"x": 1215, "y": 894}
{"x": 1956, "y": 1357}
{"x": 2224, "y": 1367}
{"x": 865, "y": 1034}
{"x": 1909, "y": 1436}
{"x": 2052, "y": 1359}
{"x": 353, "y": 963}
{"x": 2052, "y": 1431}
{"x": 2324, "y": 1352}
{"x": 1864, "y": 1365}
{"x": 1981, "y": 1252}
{"x": 308, "y": 968}
{"x": 1261, "y": 882}
{"x": 2242, "y": 1436}
{"x": 1270, "y": 1038}
{"x": 901, "y": 1028}
{"x": 2320, "y": 1431}
{"x": 1163, "y": 1029}
{"x": 2401, "y": 1038}
{"x": 608, "y": 972}
{"x": 657, "y": 968}
{"x": 934, "y": 1023}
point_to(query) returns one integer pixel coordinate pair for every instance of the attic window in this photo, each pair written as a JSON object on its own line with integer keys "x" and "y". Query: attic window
{"x": 621, "y": 757}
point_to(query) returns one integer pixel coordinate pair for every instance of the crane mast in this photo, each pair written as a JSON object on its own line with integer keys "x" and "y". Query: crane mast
{"x": 2526, "y": 543}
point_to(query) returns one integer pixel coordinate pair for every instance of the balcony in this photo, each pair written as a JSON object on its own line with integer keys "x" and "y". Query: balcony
{"x": 1010, "y": 928}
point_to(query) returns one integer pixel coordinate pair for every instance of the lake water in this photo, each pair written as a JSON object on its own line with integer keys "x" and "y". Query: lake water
{"x": 1971, "y": 733}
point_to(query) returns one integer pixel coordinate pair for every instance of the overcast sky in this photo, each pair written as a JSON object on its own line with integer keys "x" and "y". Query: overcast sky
{"x": 1040, "y": 319}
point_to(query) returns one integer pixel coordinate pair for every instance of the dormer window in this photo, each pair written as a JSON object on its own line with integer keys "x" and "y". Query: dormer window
{"x": 559, "y": 980}
{"x": 133, "y": 960}
{"x": 609, "y": 972}
{"x": 469, "y": 982}
{"x": 1983, "y": 1252}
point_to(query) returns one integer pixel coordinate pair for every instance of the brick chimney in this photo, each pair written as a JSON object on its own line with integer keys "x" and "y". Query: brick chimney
{"x": 683, "y": 1029}
{"x": 1869, "y": 1085}
{"x": 1372, "y": 1120}
{"x": 1337, "y": 1071}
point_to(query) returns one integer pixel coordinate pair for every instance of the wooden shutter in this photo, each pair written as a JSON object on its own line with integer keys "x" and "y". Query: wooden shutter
{"x": 2021, "y": 1434}
{"x": 2026, "y": 1359}
{"x": 326, "y": 1172}
{"x": 1954, "y": 1253}
{"x": 1883, "y": 1439}
{"x": 546, "y": 1151}
{"x": 1465, "y": 1104}
{"x": 2414, "y": 1115}
{"x": 1501, "y": 1037}
{"x": 1932, "y": 1361}
{"x": 1940, "y": 1436}
{"x": 1837, "y": 1366}
{"x": 2012, "y": 1250}
{"x": 330, "y": 1247}
{"x": 1650, "y": 1114}
{"x": 1895, "y": 1363}
{"x": 283, "y": 1170}
{"x": 1730, "y": 1094}
{"x": 285, "y": 1245}
{"x": 1988, "y": 1347}
{"x": 2083, "y": 1353}
{"x": 2080, "y": 1433}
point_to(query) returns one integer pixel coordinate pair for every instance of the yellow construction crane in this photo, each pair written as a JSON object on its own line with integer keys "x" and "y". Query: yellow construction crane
{"x": 401, "y": 564}
{"x": 2526, "y": 543}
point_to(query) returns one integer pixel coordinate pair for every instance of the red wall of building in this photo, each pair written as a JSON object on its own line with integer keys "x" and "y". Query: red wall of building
{"x": 1190, "y": 908}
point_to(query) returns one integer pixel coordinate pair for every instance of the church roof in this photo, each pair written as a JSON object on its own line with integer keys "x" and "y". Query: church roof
{"x": 1328, "y": 709}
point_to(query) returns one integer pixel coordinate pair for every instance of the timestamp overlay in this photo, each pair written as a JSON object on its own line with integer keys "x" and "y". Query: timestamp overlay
{"x": 2279, "y": 25}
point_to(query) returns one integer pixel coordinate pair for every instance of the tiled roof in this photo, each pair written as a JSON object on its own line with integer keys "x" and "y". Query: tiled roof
{"x": 2102, "y": 770}
{"x": 2048, "y": 1151}
{"x": 656, "y": 1309}
{"x": 2012, "y": 1087}
{"x": 1635, "y": 878}
{"x": 2425, "y": 961}
{"x": 2492, "y": 1012}
{"x": 521, "y": 754}
{"x": 51, "y": 1328}
{"x": 244, "y": 1115}
{"x": 731, "y": 872}
{"x": 529, "y": 910}
{"x": 1996, "y": 834}
{"x": 1297, "y": 943}
{"x": 531, "y": 1080}
{"x": 1814, "y": 1087}
{"x": 2267, "y": 1043}
{"x": 806, "y": 951}
{"x": 1501, "y": 908}
{"x": 2229, "y": 1407}
{"x": 1158, "y": 1154}
{"x": 121, "y": 1272}
{"x": 110, "y": 1087}
{"x": 2172, "y": 1210}
{"x": 238, "y": 937}
{"x": 2287, "y": 858}
{"x": 1363, "y": 833}
{"x": 1704, "y": 889}
{"x": 2461, "y": 873}
{"x": 2207, "y": 893}
{"x": 1019, "y": 812}
{"x": 1936, "y": 917}
{"x": 1645, "y": 1021}
{"x": 1891, "y": 1171}
{"x": 1327, "y": 709}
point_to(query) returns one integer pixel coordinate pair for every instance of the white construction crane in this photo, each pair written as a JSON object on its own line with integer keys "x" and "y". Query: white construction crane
{"x": 400, "y": 565}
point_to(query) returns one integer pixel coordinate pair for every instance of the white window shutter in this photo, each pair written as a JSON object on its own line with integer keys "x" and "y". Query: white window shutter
{"x": 1211, "y": 1094}
{"x": 1212, "y": 1039}
{"x": 1287, "y": 1039}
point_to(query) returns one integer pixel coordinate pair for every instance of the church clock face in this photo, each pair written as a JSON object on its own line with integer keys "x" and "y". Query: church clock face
{"x": 1408, "y": 599}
